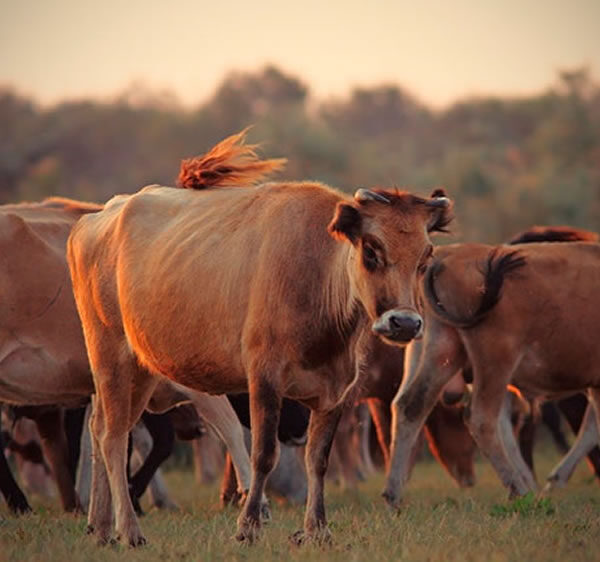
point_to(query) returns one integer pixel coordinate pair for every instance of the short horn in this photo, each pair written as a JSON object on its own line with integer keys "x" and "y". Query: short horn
{"x": 438, "y": 202}
{"x": 363, "y": 195}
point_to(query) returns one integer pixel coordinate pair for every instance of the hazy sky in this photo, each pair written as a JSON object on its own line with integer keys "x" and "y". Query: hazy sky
{"x": 441, "y": 51}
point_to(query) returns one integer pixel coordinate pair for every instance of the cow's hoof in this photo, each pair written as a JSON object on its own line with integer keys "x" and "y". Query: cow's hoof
{"x": 75, "y": 509}
{"x": 320, "y": 537}
{"x": 265, "y": 511}
{"x": 19, "y": 507}
{"x": 297, "y": 538}
{"x": 248, "y": 532}
{"x": 139, "y": 540}
{"x": 133, "y": 541}
{"x": 233, "y": 499}
{"x": 167, "y": 505}
{"x": 102, "y": 537}
{"x": 242, "y": 497}
{"x": 553, "y": 482}
{"x": 466, "y": 480}
{"x": 548, "y": 488}
{"x": 392, "y": 500}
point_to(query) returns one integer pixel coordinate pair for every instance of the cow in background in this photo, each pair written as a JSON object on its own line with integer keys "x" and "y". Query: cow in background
{"x": 524, "y": 315}
{"x": 572, "y": 407}
{"x": 44, "y": 364}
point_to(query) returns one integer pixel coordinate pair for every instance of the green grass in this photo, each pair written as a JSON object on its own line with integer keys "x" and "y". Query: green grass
{"x": 437, "y": 522}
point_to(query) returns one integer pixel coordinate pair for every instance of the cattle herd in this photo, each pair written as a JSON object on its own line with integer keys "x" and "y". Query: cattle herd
{"x": 291, "y": 308}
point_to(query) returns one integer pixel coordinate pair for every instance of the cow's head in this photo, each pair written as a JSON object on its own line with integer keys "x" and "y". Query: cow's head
{"x": 451, "y": 443}
{"x": 389, "y": 231}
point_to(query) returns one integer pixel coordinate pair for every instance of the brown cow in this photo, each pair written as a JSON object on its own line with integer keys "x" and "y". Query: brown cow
{"x": 448, "y": 438}
{"x": 525, "y": 314}
{"x": 572, "y": 407}
{"x": 42, "y": 353}
{"x": 43, "y": 359}
{"x": 265, "y": 289}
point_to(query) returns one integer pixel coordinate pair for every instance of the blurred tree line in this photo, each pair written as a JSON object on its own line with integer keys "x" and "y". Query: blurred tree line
{"x": 509, "y": 163}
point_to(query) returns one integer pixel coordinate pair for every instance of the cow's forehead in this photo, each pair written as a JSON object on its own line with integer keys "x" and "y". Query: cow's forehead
{"x": 396, "y": 226}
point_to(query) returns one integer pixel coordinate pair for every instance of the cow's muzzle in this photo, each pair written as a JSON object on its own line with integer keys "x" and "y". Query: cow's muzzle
{"x": 399, "y": 326}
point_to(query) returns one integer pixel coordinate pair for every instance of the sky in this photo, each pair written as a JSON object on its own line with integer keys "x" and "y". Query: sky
{"x": 440, "y": 51}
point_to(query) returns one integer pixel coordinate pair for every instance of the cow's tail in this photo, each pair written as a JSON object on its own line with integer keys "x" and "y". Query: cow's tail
{"x": 498, "y": 264}
{"x": 229, "y": 163}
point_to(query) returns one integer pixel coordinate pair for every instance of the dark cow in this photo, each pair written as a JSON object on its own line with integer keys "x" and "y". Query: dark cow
{"x": 572, "y": 407}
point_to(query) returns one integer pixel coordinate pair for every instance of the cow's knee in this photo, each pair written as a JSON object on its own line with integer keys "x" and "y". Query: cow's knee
{"x": 481, "y": 429}
{"x": 411, "y": 405}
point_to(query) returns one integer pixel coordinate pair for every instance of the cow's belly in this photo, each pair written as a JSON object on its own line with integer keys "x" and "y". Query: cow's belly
{"x": 540, "y": 375}
{"x": 322, "y": 388}
{"x": 30, "y": 376}
{"x": 204, "y": 376}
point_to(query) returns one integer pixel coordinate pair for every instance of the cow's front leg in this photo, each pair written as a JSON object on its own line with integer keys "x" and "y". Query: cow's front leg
{"x": 429, "y": 365}
{"x": 265, "y": 405}
{"x": 321, "y": 430}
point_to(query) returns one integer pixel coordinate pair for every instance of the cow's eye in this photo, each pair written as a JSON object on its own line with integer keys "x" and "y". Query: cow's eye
{"x": 370, "y": 258}
{"x": 422, "y": 269}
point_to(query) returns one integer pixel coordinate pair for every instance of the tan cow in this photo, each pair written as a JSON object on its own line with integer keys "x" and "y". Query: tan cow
{"x": 42, "y": 354}
{"x": 230, "y": 287}
{"x": 43, "y": 359}
{"x": 526, "y": 315}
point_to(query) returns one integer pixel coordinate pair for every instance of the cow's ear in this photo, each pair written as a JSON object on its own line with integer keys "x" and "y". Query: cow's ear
{"x": 346, "y": 223}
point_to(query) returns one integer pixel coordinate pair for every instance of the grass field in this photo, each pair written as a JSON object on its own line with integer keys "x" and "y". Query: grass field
{"x": 438, "y": 522}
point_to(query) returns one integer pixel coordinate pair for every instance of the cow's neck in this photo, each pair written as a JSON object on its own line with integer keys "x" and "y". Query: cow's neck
{"x": 343, "y": 299}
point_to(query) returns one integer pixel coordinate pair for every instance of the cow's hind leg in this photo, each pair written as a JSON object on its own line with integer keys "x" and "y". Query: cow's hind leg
{"x": 484, "y": 422}
{"x": 527, "y": 437}
{"x": 573, "y": 409}
{"x": 163, "y": 438}
{"x": 50, "y": 425}
{"x": 380, "y": 412}
{"x": 16, "y": 500}
{"x": 265, "y": 406}
{"x": 229, "y": 485}
{"x": 220, "y": 415}
{"x": 587, "y": 439}
{"x": 321, "y": 431}
{"x": 510, "y": 444}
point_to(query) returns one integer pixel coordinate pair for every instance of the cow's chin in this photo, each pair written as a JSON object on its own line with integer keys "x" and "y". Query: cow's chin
{"x": 395, "y": 339}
